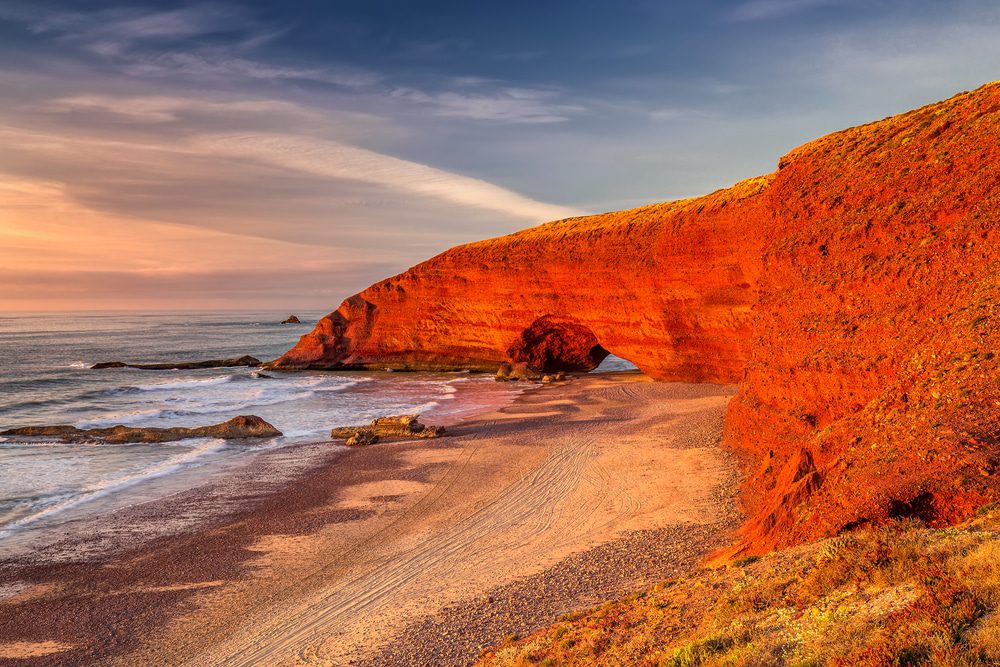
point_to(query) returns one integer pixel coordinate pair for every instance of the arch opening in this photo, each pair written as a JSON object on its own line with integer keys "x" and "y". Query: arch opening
{"x": 615, "y": 364}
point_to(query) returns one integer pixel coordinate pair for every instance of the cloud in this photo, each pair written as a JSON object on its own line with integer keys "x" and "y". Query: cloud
{"x": 163, "y": 157}
{"x": 759, "y": 10}
{"x": 215, "y": 65}
{"x": 153, "y": 159}
{"x": 341, "y": 161}
{"x": 113, "y": 31}
{"x": 505, "y": 105}
{"x": 44, "y": 218}
{"x": 143, "y": 199}
{"x": 57, "y": 253}
{"x": 213, "y": 43}
{"x": 208, "y": 42}
{"x": 155, "y": 109}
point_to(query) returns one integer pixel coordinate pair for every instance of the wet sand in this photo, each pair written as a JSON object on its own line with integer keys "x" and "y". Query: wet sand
{"x": 400, "y": 553}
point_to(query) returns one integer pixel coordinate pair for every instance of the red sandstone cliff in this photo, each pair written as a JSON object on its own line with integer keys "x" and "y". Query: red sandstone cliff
{"x": 854, "y": 295}
{"x": 662, "y": 286}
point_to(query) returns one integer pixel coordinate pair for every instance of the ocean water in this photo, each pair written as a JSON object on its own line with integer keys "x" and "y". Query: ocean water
{"x": 45, "y": 379}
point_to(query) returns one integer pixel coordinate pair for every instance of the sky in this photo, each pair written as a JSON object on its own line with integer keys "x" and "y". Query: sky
{"x": 284, "y": 155}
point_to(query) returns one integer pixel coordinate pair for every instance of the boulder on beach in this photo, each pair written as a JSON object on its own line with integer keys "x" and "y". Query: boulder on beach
{"x": 291, "y": 319}
{"x": 361, "y": 438}
{"x": 245, "y": 360}
{"x": 405, "y": 426}
{"x": 397, "y": 427}
{"x": 244, "y": 426}
{"x": 517, "y": 371}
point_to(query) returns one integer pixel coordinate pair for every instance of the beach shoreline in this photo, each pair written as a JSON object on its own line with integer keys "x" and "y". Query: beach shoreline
{"x": 363, "y": 556}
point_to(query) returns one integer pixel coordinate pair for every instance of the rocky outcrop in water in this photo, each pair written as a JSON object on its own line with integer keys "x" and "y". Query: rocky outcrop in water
{"x": 853, "y": 294}
{"x": 246, "y": 360}
{"x": 292, "y": 319}
{"x": 405, "y": 426}
{"x": 244, "y": 426}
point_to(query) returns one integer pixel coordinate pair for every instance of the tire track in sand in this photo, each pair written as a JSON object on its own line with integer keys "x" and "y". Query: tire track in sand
{"x": 573, "y": 498}
{"x": 528, "y": 502}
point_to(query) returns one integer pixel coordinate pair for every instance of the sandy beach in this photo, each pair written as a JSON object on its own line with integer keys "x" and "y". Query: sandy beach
{"x": 402, "y": 553}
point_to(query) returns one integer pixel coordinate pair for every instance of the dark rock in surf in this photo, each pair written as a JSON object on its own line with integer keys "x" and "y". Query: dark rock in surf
{"x": 245, "y": 360}
{"x": 244, "y": 426}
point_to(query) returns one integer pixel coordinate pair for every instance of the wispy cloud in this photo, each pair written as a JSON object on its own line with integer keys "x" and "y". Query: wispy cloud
{"x": 759, "y": 10}
{"x": 505, "y": 105}
{"x": 209, "y": 65}
{"x": 113, "y": 31}
{"x": 48, "y": 260}
{"x": 205, "y": 42}
{"x": 157, "y": 109}
{"x": 341, "y": 161}
{"x": 192, "y": 219}
{"x": 285, "y": 176}
{"x": 215, "y": 44}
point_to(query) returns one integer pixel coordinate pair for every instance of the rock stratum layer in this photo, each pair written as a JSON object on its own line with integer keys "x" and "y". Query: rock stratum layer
{"x": 853, "y": 295}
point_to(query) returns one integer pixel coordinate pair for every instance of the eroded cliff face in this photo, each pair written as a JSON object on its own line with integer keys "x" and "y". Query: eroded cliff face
{"x": 668, "y": 287}
{"x": 872, "y": 389}
{"x": 853, "y": 295}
